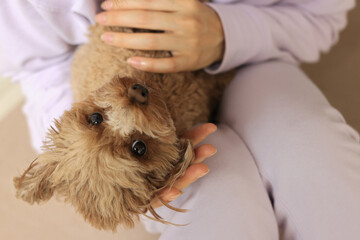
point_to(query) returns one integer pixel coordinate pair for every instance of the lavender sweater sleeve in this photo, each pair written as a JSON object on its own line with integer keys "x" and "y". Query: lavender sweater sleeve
{"x": 38, "y": 38}
{"x": 290, "y": 30}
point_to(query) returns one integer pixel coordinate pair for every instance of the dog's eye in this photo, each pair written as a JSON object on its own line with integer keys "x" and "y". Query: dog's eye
{"x": 138, "y": 148}
{"x": 95, "y": 119}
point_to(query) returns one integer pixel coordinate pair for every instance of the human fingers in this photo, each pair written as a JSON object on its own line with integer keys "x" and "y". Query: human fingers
{"x": 158, "y": 5}
{"x": 167, "y": 195}
{"x": 153, "y": 20}
{"x": 203, "y": 152}
{"x": 193, "y": 173}
{"x": 160, "y": 65}
{"x": 143, "y": 41}
{"x": 198, "y": 34}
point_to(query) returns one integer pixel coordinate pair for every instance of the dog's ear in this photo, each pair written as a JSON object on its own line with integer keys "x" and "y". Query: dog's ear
{"x": 34, "y": 184}
{"x": 187, "y": 151}
{"x": 187, "y": 156}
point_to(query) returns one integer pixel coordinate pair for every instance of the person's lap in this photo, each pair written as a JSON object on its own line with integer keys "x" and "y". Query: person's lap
{"x": 229, "y": 202}
{"x": 308, "y": 156}
{"x": 278, "y": 138}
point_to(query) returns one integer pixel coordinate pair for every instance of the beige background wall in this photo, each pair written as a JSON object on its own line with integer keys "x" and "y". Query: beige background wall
{"x": 338, "y": 75}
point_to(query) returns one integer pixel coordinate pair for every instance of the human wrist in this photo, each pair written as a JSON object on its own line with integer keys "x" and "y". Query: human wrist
{"x": 218, "y": 33}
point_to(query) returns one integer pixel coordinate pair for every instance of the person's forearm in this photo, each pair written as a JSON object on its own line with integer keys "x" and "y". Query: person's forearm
{"x": 291, "y": 32}
{"x": 37, "y": 42}
{"x": 46, "y": 101}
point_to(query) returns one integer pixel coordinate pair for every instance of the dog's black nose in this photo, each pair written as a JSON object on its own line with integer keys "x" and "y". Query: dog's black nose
{"x": 138, "y": 93}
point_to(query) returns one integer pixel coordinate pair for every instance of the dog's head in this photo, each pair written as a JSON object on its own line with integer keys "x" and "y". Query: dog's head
{"x": 109, "y": 155}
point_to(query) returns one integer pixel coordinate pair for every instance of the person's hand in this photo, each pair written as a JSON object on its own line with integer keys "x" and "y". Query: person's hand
{"x": 196, "y": 169}
{"x": 192, "y": 32}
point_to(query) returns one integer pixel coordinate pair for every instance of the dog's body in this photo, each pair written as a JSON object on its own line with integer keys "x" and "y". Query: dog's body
{"x": 190, "y": 96}
{"x": 120, "y": 144}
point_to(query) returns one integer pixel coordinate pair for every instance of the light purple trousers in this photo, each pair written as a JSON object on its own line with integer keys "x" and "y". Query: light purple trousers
{"x": 287, "y": 166}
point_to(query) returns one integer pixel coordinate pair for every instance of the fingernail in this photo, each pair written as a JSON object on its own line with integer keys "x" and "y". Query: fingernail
{"x": 203, "y": 174}
{"x": 100, "y": 18}
{"x": 212, "y": 154}
{"x": 214, "y": 128}
{"x": 107, "y": 37}
{"x": 107, "y": 5}
{"x": 172, "y": 198}
{"x": 135, "y": 62}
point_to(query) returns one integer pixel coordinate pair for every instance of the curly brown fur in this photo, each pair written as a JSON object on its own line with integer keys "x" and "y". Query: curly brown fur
{"x": 93, "y": 166}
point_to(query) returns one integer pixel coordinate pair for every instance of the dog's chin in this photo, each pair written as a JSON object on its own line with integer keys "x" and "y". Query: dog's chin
{"x": 123, "y": 197}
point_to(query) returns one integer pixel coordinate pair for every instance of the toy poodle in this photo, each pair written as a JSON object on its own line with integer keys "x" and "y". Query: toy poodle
{"x": 120, "y": 144}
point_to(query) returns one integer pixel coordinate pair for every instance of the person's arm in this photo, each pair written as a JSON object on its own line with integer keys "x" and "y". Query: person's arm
{"x": 36, "y": 46}
{"x": 231, "y": 34}
{"x": 294, "y": 31}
